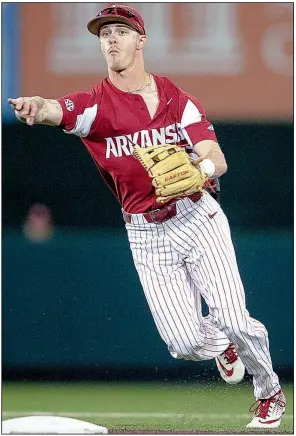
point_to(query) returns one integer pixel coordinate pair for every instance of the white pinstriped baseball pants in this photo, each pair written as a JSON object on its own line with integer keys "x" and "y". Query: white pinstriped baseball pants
{"x": 192, "y": 255}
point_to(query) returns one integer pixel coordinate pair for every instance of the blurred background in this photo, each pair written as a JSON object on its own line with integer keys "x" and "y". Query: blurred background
{"x": 72, "y": 304}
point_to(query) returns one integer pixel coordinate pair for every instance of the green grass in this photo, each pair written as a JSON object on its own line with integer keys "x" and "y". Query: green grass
{"x": 170, "y": 407}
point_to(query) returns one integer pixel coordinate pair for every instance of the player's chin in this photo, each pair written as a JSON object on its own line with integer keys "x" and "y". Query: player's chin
{"x": 116, "y": 67}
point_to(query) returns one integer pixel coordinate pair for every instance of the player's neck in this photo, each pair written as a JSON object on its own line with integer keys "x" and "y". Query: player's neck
{"x": 129, "y": 80}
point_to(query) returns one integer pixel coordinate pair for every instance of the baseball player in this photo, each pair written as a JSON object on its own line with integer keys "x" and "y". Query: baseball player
{"x": 157, "y": 152}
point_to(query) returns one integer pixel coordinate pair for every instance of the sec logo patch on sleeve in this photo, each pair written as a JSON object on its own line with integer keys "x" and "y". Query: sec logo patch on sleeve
{"x": 69, "y": 104}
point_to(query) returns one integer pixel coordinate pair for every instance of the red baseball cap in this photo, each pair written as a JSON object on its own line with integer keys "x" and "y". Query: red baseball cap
{"x": 117, "y": 14}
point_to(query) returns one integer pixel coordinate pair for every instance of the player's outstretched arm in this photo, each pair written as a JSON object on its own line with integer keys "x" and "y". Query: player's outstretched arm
{"x": 37, "y": 110}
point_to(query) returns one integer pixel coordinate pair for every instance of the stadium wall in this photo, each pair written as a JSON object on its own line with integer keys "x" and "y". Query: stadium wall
{"x": 76, "y": 300}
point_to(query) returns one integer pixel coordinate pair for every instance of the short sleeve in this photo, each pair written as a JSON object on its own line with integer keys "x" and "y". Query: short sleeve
{"x": 194, "y": 124}
{"x": 79, "y": 112}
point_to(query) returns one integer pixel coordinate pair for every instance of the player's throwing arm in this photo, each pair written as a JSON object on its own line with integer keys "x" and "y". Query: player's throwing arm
{"x": 37, "y": 110}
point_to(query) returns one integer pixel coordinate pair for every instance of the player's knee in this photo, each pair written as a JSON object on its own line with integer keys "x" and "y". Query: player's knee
{"x": 227, "y": 326}
{"x": 241, "y": 330}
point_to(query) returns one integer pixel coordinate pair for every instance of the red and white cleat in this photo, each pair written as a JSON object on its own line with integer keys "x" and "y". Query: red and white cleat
{"x": 269, "y": 412}
{"x": 230, "y": 366}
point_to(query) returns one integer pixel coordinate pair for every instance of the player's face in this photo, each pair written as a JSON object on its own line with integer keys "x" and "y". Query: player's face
{"x": 119, "y": 44}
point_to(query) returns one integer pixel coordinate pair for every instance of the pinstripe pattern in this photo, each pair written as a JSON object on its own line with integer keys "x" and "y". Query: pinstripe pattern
{"x": 189, "y": 256}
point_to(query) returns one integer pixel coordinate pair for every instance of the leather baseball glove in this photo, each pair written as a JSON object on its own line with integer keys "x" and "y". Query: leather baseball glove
{"x": 172, "y": 171}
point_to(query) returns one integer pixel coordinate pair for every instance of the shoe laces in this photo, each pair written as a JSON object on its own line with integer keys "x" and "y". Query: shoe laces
{"x": 230, "y": 354}
{"x": 261, "y": 408}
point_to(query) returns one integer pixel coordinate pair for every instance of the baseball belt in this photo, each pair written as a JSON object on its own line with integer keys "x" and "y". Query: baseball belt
{"x": 159, "y": 216}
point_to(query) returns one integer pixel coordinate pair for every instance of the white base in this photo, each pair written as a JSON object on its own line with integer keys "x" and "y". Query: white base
{"x": 50, "y": 425}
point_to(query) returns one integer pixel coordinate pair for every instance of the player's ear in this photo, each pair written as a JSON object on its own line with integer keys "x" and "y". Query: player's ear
{"x": 142, "y": 39}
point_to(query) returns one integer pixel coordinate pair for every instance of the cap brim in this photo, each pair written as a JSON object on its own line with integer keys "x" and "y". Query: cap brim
{"x": 95, "y": 25}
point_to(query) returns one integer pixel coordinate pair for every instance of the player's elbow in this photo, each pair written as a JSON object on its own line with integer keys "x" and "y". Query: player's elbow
{"x": 221, "y": 168}
{"x": 217, "y": 156}
{"x": 224, "y": 168}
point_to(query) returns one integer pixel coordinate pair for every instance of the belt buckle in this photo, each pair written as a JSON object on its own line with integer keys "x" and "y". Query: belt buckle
{"x": 127, "y": 217}
{"x": 151, "y": 215}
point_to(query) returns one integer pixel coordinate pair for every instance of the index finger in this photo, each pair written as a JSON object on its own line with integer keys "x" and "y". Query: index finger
{"x": 12, "y": 100}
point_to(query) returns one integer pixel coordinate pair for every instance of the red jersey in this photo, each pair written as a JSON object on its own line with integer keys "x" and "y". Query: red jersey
{"x": 111, "y": 123}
